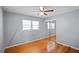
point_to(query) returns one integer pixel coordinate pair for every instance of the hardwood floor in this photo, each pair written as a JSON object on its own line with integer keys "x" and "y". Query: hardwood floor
{"x": 36, "y": 46}
{"x": 41, "y": 46}
{"x": 65, "y": 49}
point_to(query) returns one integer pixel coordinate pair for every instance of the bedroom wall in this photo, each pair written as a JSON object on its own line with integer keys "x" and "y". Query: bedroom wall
{"x": 67, "y": 28}
{"x": 11, "y": 22}
{"x": 1, "y": 30}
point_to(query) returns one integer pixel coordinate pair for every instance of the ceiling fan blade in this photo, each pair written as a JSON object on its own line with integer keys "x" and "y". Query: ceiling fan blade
{"x": 48, "y": 10}
{"x": 45, "y": 14}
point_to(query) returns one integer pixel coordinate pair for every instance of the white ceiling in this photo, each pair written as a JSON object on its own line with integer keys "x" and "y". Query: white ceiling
{"x": 34, "y": 10}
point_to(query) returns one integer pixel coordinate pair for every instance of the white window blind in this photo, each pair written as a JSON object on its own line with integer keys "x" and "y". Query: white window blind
{"x": 26, "y": 25}
{"x": 51, "y": 25}
{"x": 35, "y": 25}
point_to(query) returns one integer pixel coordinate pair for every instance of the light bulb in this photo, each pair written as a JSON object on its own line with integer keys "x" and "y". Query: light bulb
{"x": 41, "y": 13}
{"x": 41, "y": 8}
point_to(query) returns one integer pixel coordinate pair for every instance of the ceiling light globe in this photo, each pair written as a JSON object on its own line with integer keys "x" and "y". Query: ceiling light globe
{"x": 41, "y": 13}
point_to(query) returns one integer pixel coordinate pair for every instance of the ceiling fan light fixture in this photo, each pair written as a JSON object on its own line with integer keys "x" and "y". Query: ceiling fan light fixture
{"x": 41, "y": 8}
{"x": 44, "y": 12}
{"x": 41, "y": 13}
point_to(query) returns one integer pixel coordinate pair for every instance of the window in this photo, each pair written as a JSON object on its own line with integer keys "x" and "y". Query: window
{"x": 26, "y": 25}
{"x": 51, "y": 25}
{"x": 35, "y": 25}
{"x": 48, "y": 25}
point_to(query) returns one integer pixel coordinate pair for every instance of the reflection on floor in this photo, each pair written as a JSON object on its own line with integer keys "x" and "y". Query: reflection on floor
{"x": 41, "y": 46}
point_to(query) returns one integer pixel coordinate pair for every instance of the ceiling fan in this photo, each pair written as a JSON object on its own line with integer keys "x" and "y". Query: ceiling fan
{"x": 44, "y": 12}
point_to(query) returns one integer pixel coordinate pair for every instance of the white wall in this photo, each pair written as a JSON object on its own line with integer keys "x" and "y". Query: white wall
{"x": 1, "y": 30}
{"x": 67, "y": 28}
{"x": 11, "y": 22}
